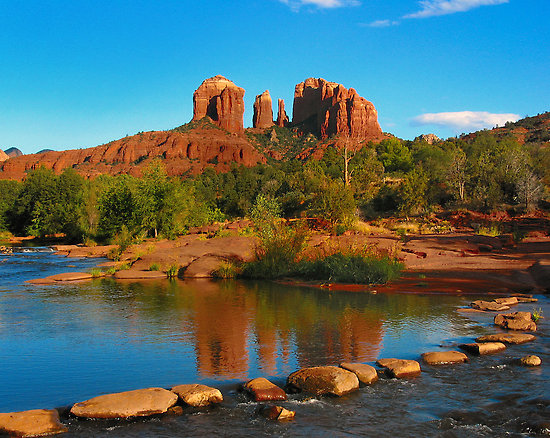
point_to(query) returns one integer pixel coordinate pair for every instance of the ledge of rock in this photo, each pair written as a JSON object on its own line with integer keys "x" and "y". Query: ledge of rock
{"x": 444, "y": 357}
{"x": 400, "y": 368}
{"x": 508, "y": 338}
{"x": 323, "y": 380}
{"x": 365, "y": 373}
{"x": 205, "y": 267}
{"x": 38, "y": 422}
{"x": 138, "y": 403}
{"x": 133, "y": 274}
{"x": 262, "y": 389}
{"x": 516, "y": 321}
{"x": 198, "y": 395}
{"x": 66, "y": 277}
{"x": 483, "y": 348}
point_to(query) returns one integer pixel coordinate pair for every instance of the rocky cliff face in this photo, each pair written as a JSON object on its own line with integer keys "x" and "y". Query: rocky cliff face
{"x": 428, "y": 138}
{"x": 3, "y": 156}
{"x": 189, "y": 149}
{"x": 282, "y": 118}
{"x": 263, "y": 111}
{"x": 327, "y": 108}
{"x": 222, "y": 101}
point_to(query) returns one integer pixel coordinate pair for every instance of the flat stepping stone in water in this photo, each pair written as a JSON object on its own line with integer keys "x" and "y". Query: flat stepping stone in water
{"x": 508, "y": 301}
{"x": 444, "y": 357}
{"x": 483, "y": 348}
{"x": 530, "y": 361}
{"x": 323, "y": 380}
{"x": 138, "y": 403}
{"x": 489, "y": 306}
{"x": 38, "y": 422}
{"x": 198, "y": 395}
{"x": 277, "y": 413}
{"x": 516, "y": 321}
{"x": 400, "y": 368}
{"x": 508, "y": 338}
{"x": 263, "y": 390}
{"x": 365, "y": 373}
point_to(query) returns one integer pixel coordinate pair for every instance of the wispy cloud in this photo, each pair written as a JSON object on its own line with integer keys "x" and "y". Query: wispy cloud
{"x": 465, "y": 120}
{"x": 382, "y": 23}
{"x": 432, "y": 8}
{"x": 322, "y": 4}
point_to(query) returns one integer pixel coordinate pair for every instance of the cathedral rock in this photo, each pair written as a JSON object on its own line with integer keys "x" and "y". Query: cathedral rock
{"x": 263, "y": 111}
{"x": 327, "y": 108}
{"x": 222, "y": 101}
{"x": 282, "y": 118}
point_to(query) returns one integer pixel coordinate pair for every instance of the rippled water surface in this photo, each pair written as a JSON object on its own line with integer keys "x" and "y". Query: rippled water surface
{"x": 66, "y": 343}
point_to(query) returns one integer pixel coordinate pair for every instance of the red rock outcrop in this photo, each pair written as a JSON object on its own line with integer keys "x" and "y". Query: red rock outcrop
{"x": 189, "y": 149}
{"x": 222, "y": 101}
{"x": 13, "y": 152}
{"x": 282, "y": 118}
{"x": 3, "y": 156}
{"x": 263, "y": 111}
{"x": 327, "y": 108}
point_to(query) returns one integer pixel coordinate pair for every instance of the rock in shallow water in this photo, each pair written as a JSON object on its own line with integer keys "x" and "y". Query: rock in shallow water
{"x": 323, "y": 380}
{"x": 38, "y": 422}
{"x": 263, "y": 390}
{"x": 516, "y": 321}
{"x": 508, "y": 338}
{"x": 400, "y": 368}
{"x": 138, "y": 403}
{"x": 277, "y": 413}
{"x": 483, "y": 348}
{"x": 198, "y": 395}
{"x": 365, "y": 373}
{"x": 530, "y": 361}
{"x": 444, "y": 357}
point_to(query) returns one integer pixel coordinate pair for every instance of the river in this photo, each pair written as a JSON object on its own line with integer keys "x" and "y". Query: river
{"x": 66, "y": 343}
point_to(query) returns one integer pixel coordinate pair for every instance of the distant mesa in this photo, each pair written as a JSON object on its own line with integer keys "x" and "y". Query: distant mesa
{"x": 326, "y": 108}
{"x": 13, "y": 152}
{"x": 428, "y": 138}
{"x": 3, "y": 156}
{"x": 222, "y": 101}
{"x": 263, "y": 111}
{"x": 43, "y": 151}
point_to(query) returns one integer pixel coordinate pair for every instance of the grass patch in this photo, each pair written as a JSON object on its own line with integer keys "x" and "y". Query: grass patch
{"x": 227, "y": 270}
{"x": 536, "y": 315}
{"x": 154, "y": 267}
{"x": 173, "y": 271}
{"x": 96, "y": 273}
{"x": 492, "y": 230}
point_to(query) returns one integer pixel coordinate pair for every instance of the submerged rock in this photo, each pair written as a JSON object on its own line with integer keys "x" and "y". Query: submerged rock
{"x": 400, "y": 368}
{"x": 263, "y": 390}
{"x": 365, "y": 373}
{"x": 38, "y": 422}
{"x": 516, "y": 321}
{"x": 444, "y": 357}
{"x": 198, "y": 395}
{"x": 483, "y": 348}
{"x": 138, "y": 403}
{"x": 277, "y": 413}
{"x": 530, "y": 361}
{"x": 323, "y": 380}
{"x": 508, "y": 338}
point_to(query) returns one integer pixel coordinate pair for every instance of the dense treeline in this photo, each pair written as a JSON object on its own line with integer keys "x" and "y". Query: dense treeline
{"x": 394, "y": 177}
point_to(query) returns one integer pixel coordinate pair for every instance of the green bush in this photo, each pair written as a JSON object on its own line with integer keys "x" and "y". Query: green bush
{"x": 173, "y": 271}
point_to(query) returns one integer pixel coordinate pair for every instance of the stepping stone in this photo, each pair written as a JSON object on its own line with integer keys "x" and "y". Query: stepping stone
{"x": 38, "y": 422}
{"x": 489, "y": 306}
{"x": 198, "y": 395}
{"x": 530, "y": 361}
{"x": 263, "y": 390}
{"x": 444, "y": 357}
{"x": 365, "y": 373}
{"x": 138, "y": 403}
{"x": 508, "y": 301}
{"x": 483, "y": 348}
{"x": 323, "y": 380}
{"x": 508, "y": 338}
{"x": 516, "y": 321}
{"x": 400, "y": 368}
{"x": 277, "y": 413}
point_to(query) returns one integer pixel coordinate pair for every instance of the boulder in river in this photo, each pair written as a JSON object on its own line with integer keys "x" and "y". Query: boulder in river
{"x": 38, "y": 422}
{"x": 137, "y": 403}
{"x": 365, "y": 373}
{"x": 530, "y": 361}
{"x": 444, "y": 357}
{"x": 508, "y": 338}
{"x": 483, "y": 348}
{"x": 198, "y": 395}
{"x": 277, "y": 413}
{"x": 400, "y": 368}
{"x": 516, "y": 321}
{"x": 262, "y": 389}
{"x": 323, "y": 380}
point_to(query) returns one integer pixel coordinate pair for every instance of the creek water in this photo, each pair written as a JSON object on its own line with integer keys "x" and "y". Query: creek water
{"x": 66, "y": 343}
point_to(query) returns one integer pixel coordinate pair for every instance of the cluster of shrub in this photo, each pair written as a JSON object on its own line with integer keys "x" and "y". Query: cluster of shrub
{"x": 393, "y": 177}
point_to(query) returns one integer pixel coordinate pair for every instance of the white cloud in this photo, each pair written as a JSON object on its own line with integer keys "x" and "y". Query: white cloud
{"x": 465, "y": 120}
{"x": 431, "y": 8}
{"x": 323, "y": 4}
{"x": 383, "y": 23}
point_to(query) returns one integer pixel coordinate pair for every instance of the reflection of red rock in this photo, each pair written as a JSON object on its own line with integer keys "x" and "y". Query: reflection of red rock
{"x": 360, "y": 336}
{"x": 263, "y": 111}
{"x": 267, "y": 348}
{"x": 327, "y": 108}
{"x": 222, "y": 101}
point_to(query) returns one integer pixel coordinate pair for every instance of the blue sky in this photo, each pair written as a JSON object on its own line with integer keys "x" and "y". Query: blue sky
{"x": 81, "y": 73}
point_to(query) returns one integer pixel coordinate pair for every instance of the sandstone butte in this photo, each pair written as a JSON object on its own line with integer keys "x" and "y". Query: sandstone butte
{"x": 222, "y": 101}
{"x": 327, "y": 108}
{"x": 263, "y": 111}
{"x": 3, "y": 156}
{"x": 282, "y": 118}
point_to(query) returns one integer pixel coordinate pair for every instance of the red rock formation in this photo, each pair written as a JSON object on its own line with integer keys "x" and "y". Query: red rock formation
{"x": 3, "y": 156}
{"x": 282, "y": 118}
{"x": 13, "y": 152}
{"x": 263, "y": 111}
{"x": 327, "y": 108}
{"x": 184, "y": 150}
{"x": 222, "y": 101}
